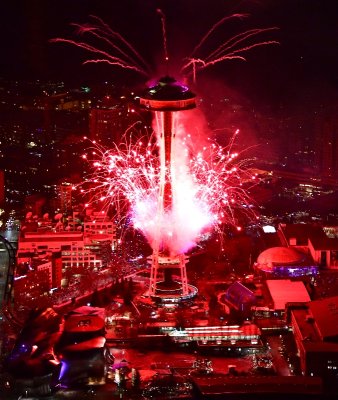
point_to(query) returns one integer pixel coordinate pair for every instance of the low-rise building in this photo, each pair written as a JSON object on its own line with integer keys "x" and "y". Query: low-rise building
{"x": 283, "y": 292}
{"x": 315, "y": 328}
{"x": 90, "y": 249}
{"x": 313, "y": 238}
{"x": 231, "y": 337}
{"x": 283, "y": 261}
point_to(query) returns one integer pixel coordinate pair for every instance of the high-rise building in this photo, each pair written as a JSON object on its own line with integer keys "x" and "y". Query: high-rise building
{"x": 327, "y": 145}
{"x": 40, "y": 130}
{"x": 65, "y": 193}
{"x": 112, "y": 116}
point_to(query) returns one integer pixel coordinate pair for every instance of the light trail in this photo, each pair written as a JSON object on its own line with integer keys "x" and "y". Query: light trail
{"x": 121, "y": 53}
{"x": 232, "y": 49}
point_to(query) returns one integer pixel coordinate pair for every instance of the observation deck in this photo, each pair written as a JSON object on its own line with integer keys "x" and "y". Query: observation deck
{"x": 168, "y": 95}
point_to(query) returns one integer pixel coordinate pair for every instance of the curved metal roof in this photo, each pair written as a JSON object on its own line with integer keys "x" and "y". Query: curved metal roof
{"x": 168, "y": 89}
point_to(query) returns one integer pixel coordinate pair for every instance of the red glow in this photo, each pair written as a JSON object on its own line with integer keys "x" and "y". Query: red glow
{"x": 206, "y": 185}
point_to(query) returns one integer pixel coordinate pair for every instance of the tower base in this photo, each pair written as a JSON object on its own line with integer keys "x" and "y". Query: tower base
{"x": 167, "y": 296}
{"x": 164, "y": 285}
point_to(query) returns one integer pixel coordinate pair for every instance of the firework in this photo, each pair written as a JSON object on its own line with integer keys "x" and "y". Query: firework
{"x": 164, "y": 33}
{"x": 207, "y": 182}
{"x": 232, "y": 49}
{"x": 112, "y": 48}
{"x": 208, "y": 187}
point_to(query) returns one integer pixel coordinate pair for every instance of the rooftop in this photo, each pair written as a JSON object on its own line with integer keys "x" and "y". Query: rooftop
{"x": 325, "y": 314}
{"x": 302, "y": 232}
{"x": 168, "y": 95}
{"x": 167, "y": 88}
{"x": 281, "y": 256}
{"x": 284, "y": 291}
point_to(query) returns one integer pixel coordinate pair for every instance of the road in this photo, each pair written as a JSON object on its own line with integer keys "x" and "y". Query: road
{"x": 279, "y": 362}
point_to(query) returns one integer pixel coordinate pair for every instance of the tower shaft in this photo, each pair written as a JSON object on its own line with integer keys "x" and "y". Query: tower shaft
{"x": 165, "y": 99}
{"x": 167, "y": 142}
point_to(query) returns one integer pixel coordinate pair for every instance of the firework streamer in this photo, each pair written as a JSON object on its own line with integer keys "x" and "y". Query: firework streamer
{"x": 214, "y": 27}
{"x": 164, "y": 34}
{"x": 126, "y": 57}
{"x": 232, "y": 49}
{"x": 209, "y": 182}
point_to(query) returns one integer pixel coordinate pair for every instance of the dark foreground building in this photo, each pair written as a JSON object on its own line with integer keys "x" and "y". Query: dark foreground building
{"x": 82, "y": 348}
{"x": 315, "y": 328}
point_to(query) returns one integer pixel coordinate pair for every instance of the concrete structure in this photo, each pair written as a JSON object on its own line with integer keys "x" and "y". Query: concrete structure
{"x": 99, "y": 224}
{"x": 82, "y": 348}
{"x": 324, "y": 251}
{"x": 65, "y": 193}
{"x": 165, "y": 98}
{"x": 110, "y": 117}
{"x": 315, "y": 239}
{"x": 241, "y": 298}
{"x": 70, "y": 244}
{"x": 266, "y": 387}
{"x": 297, "y": 235}
{"x": 89, "y": 249}
{"x": 36, "y": 282}
{"x": 281, "y": 262}
{"x": 285, "y": 291}
{"x": 315, "y": 328}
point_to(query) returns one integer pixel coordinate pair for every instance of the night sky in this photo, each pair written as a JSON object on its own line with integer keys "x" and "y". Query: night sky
{"x": 304, "y": 65}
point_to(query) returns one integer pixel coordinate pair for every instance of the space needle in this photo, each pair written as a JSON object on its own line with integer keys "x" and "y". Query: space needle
{"x": 166, "y": 98}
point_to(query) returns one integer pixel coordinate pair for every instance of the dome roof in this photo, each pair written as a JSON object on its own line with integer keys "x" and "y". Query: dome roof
{"x": 280, "y": 256}
{"x": 167, "y": 88}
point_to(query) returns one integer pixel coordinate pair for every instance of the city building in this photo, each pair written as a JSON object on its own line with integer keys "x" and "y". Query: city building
{"x": 231, "y": 337}
{"x": 269, "y": 386}
{"x": 315, "y": 329}
{"x": 82, "y": 348}
{"x": 283, "y": 292}
{"x": 70, "y": 244}
{"x": 40, "y": 127}
{"x": 2, "y": 188}
{"x": 297, "y": 235}
{"x": 318, "y": 241}
{"x": 112, "y": 115}
{"x": 283, "y": 262}
{"x": 69, "y": 249}
{"x": 324, "y": 251}
{"x": 98, "y": 223}
{"x": 240, "y": 298}
{"x": 326, "y": 143}
{"x": 65, "y": 193}
{"x": 35, "y": 283}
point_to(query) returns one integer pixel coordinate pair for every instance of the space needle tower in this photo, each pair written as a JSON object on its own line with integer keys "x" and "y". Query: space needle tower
{"x": 166, "y": 98}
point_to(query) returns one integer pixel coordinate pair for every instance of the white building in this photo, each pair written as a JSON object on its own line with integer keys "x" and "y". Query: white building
{"x": 98, "y": 223}
{"x": 77, "y": 249}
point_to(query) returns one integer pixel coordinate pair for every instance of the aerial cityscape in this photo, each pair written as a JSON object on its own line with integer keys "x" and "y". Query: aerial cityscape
{"x": 168, "y": 200}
